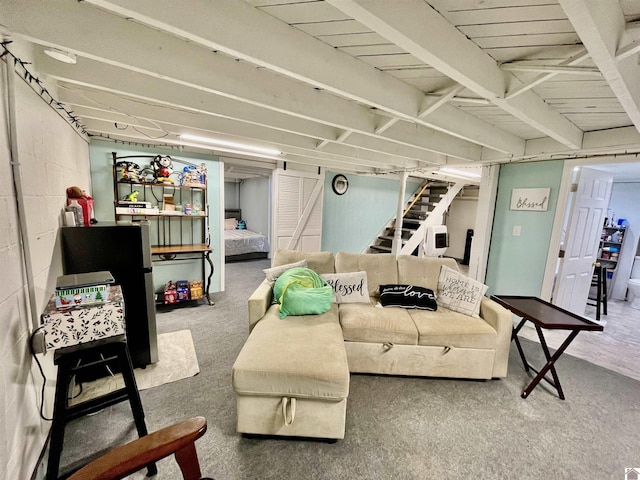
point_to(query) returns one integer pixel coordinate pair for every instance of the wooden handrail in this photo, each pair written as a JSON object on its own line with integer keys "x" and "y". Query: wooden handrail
{"x": 419, "y": 195}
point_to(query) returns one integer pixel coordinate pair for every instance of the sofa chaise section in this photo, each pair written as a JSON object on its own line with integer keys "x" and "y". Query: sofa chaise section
{"x": 292, "y": 378}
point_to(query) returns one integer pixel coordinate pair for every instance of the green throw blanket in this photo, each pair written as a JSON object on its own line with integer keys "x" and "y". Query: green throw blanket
{"x": 301, "y": 291}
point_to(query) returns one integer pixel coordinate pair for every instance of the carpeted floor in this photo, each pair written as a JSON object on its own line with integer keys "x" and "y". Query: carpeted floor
{"x": 176, "y": 360}
{"x": 397, "y": 427}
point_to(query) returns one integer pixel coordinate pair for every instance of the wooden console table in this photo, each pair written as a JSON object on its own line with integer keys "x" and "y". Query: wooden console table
{"x": 544, "y": 315}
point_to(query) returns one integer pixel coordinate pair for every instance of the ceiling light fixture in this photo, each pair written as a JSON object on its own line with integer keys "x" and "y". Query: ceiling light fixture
{"x": 208, "y": 142}
{"x": 459, "y": 173}
{"x": 61, "y": 55}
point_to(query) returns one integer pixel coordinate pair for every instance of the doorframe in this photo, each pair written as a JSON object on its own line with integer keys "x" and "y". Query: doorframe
{"x": 561, "y": 210}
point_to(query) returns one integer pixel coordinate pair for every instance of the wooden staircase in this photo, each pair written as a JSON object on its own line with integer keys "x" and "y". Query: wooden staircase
{"x": 415, "y": 214}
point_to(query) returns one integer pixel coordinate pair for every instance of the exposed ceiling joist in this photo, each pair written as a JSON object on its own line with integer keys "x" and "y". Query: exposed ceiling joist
{"x": 491, "y": 81}
{"x": 244, "y": 32}
{"x": 452, "y": 53}
{"x": 601, "y": 27}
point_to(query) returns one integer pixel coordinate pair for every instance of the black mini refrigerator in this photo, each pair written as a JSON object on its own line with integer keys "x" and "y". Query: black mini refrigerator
{"x": 125, "y": 251}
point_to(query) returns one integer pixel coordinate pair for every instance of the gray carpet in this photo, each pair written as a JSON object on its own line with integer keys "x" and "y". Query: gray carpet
{"x": 397, "y": 427}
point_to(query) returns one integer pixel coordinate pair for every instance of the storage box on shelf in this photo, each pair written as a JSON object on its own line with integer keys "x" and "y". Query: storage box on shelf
{"x": 172, "y": 196}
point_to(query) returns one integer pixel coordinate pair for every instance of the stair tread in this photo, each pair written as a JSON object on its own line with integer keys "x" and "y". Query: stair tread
{"x": 381, "y": 248}
{"x": 390, "y": 237}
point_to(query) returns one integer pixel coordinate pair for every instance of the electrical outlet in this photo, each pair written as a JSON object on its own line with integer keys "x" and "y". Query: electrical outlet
{"x": 516, "y": 230}
{"x": 37, "y": 342}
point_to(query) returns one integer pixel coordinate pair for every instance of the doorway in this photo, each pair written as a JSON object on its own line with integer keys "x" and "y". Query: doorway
{"x": 624, "y": 169}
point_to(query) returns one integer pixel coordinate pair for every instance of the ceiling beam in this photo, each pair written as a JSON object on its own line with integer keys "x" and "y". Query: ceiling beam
{"x": 519, "y": 89}
{"x": 613, "y": 141}
{"x": 104, "y": 63}
{"x": 628, "y": 50}
{"x": 448, "y": 50}
{"x": 165, "y": 121}
{"x": 242, "y": 31}
{"x": 108, "y": 132}
{"x": 601, "y": 27}
{"x": 92, "y": 74}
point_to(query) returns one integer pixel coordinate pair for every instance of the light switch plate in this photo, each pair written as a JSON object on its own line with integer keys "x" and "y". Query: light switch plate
{"x": 516, "y": 230}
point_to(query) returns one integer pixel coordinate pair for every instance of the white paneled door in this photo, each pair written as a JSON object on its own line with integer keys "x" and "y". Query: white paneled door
{"x": 588, "y": 211}
{"x": 297, "y": 212}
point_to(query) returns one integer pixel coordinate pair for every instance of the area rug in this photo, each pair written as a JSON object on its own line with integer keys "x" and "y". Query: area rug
{"x": 176, "y": 360}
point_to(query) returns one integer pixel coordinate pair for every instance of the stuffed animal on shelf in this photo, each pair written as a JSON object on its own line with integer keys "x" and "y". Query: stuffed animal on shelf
{"x": 129, "y": 172}
{"x": 162, "y": 168}
{"x": 132, "y": 197}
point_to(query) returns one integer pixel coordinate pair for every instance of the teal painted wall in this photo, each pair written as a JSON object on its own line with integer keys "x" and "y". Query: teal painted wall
{"x": 102, "y": 191}
{"x": 352, "y": 220}
{"x": 516, "y": 264}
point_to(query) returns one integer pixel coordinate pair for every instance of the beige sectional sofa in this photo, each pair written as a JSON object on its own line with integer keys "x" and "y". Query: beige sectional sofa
{"x": 292, "y": 375}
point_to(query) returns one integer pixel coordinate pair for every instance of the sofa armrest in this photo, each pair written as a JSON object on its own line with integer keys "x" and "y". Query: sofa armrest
{"x": 501, "y": 320}
{"x": 259, "y": 303}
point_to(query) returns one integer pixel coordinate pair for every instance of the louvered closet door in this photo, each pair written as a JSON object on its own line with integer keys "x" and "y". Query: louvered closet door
{"x": 297, "y": 219}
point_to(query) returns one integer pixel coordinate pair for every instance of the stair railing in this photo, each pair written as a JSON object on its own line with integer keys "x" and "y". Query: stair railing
{"x": 416, "y": 197}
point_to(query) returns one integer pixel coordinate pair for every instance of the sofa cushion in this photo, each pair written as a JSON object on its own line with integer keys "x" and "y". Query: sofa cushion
{"x": 381, "y": 268}
{"x": 319, "y": 262}
{"x": 349, "y": 287}
{"x": 452, "y": 329}
{"x": 367, "y": 323}
{"x": 460, "y": 293}
{"x": 423, "y": 272}
{"x": 300, "y": 357}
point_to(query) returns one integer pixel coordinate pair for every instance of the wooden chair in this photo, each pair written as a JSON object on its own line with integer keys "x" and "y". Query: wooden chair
{"x": 178, "y": 439}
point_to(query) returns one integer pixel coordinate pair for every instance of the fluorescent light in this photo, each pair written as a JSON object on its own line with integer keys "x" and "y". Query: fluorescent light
{"x": 460, "y": 173}
{"x": 229, "y": 150}
{"x": 224, "y": 143}
{"x": 218, "y": 149}
{"x": 61, "y": 55}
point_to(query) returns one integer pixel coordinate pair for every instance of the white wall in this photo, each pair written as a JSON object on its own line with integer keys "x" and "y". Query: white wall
{"x": 231, "y": 195}
{"x": 255, "y": 202}
{"x": 52, "y": 157}
{"x": 461, "y": 217}
{"x": 624, "y": 202}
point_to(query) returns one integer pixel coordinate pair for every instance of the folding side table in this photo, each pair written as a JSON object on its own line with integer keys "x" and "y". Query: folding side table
{"x": 548, "y": 316}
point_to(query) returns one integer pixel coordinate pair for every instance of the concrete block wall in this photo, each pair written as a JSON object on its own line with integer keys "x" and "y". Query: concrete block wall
{"x": 52, "y": 157}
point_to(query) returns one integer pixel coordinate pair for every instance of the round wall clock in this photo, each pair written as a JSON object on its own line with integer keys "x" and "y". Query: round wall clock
{"x": 340, "y": 184}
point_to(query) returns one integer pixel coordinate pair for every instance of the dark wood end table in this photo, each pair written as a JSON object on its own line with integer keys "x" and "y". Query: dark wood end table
{"x": 544, "y": 315}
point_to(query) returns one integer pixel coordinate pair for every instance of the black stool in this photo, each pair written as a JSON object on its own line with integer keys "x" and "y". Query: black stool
{"x": 599, "y": 280}
{"x": 70, "y": 361}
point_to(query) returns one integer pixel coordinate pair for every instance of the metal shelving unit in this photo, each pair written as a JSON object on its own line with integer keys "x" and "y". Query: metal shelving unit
{"x": 176, "y": 209}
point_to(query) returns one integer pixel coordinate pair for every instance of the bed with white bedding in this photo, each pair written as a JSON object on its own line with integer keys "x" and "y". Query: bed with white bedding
{"x": 242, "y": 244}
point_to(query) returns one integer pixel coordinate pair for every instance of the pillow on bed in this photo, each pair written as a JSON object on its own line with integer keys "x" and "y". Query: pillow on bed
{"x": 460, "y": 293}
{"x": 230, "y": 223}
{"x": 273, "y": 273}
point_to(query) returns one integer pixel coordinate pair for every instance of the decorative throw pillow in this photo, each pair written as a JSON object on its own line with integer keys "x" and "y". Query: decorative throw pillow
{"x": 350, "y": 287}
{"x": 230, "y": 223}
{"x": 408, "y": 296}
{"x": 273, "y": 273}
{"x": 460, "y": 293}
